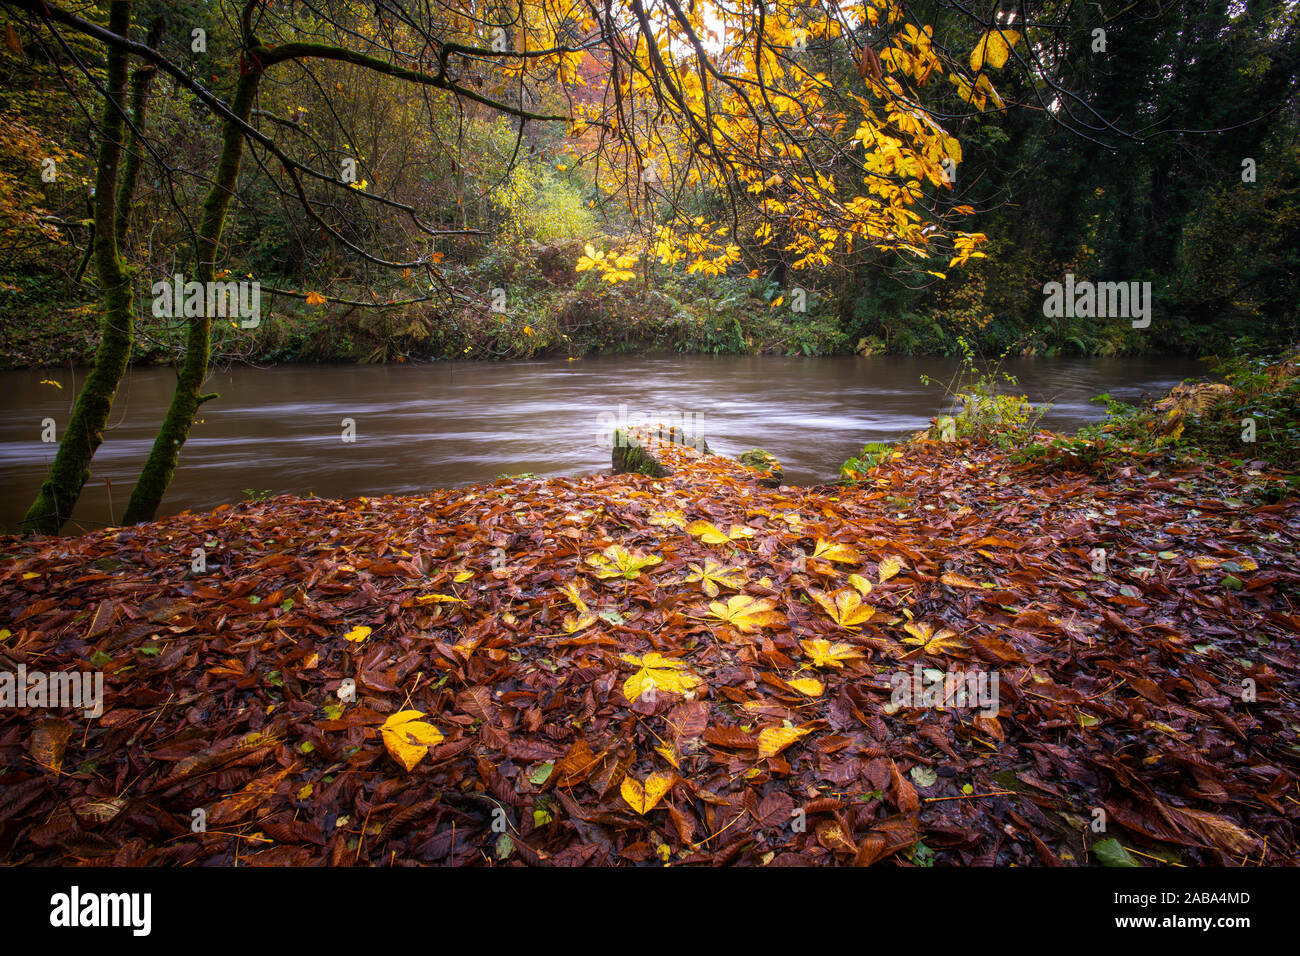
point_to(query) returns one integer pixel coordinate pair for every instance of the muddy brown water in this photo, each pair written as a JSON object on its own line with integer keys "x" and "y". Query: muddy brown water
{"x": 424, "y": 426}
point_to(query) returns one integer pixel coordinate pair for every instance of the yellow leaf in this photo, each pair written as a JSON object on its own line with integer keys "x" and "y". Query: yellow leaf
{"x": 945, "y": 642}
{"x": 645, "y": 798}
{"x": 463, "y": 576}
{"x": 407, "y": 738}
{"x": 709, "y": 533}
{"x": 668, "y": 519}
{"x": 667, "y": 752}
{"x": 835, "y": 552}
{"x": 438, "y": 599}
{"x": 889, "y": 567}
{"x": 315, "y": 298}
{"x": 955, "y": 580}
{"x": 775, "y": 739}
{"x": 826, "y": 654}
{"x": 747, "y": 613}
{"x": 712, "y": 574}
{"x": 572, "y": 624}
{"x": 844, "y": 606}
{"x": 570, "y": 591}
{"x": 808, "y": 686}
{"x": 993, "y": 49}
{"x": 861, "y": 583}
{"x": 658, "y": 673}
{"x": 616, "y": 561}
{"x": 357, "y": 634}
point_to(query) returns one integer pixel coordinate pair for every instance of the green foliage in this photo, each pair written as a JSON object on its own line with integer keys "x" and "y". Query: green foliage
{"x": 988, "y": 413}
{"x": 543, "y": 206}
{"x": 873, "y": 453}
{"x": 1264, "y": 391}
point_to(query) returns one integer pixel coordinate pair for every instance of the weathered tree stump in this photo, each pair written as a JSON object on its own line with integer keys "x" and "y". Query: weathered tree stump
{"x": 634, "y": 449}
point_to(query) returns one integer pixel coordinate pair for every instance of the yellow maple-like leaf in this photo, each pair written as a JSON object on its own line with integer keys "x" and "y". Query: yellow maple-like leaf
{"x": 747, "y": 613}
{"x": 945, "y": 642}
{"x": 775, "y": 739}
{"x": 357, "y": 634}
{"x": 644, "y": 798}
{"x": 315, "y": 298}
{"x": 574, "y": 623}
{"x": 830, "y": 551}
{"x": 408, "y": 738}
{"x": 618, "y": 562}
{"x": 710, "y": 533}
{"x": 845, "y": 607}
{"x": 713, "y": 574}
{"x": 660, "y": 673}
{"x": 808, "y": 686}
{"x": 826, "y": 654}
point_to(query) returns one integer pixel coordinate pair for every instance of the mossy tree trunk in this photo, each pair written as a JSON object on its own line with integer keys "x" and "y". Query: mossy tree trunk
{"x": 84, "y": 433}
{"x": 158, "y": 470}
{"x": 140, "y": 82}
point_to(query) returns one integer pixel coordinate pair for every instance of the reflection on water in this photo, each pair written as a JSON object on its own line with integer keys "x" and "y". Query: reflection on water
{"x": 423, "y": 426}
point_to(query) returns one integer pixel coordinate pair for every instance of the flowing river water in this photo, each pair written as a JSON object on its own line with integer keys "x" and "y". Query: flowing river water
{"x": 416, "y": 427}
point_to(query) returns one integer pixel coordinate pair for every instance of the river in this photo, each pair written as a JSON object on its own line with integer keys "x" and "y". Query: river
{"x": 422, "y": 426}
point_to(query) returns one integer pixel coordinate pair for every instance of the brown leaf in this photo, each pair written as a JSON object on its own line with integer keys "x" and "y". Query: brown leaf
{"x": 49, "y": 742}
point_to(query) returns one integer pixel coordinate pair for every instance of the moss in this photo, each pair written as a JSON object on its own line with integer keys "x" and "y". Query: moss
{"x": 766, "y": 464}
{"x": 630, "y": 456}
{"x": 84, "y": 432}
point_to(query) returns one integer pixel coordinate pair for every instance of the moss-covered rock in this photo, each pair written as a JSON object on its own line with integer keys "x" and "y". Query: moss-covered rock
{"x": 766, "y": 464}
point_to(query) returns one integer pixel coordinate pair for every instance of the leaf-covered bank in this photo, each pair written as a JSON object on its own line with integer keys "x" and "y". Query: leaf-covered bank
{"x": 687, "y": 670}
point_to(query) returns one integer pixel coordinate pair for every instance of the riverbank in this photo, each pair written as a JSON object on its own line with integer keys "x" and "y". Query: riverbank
{"x": 687, "y": 670}
{"x": 533, "y": 305}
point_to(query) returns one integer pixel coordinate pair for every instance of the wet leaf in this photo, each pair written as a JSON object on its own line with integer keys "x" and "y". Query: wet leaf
{"x": 645, "y": 797}
{"x": 826, "y": 654}
{"x": 408, "y": 738}
{"x": 746, "y": 613}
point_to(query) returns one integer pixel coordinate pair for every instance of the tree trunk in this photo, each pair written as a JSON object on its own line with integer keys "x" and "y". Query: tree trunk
{"x": 186, "y": 399}
{"x": 85, "y": 430}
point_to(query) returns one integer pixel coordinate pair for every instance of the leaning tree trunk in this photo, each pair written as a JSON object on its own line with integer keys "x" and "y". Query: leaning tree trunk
{"x": 85, "y": 430}
{"x": 186, "y": 399}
